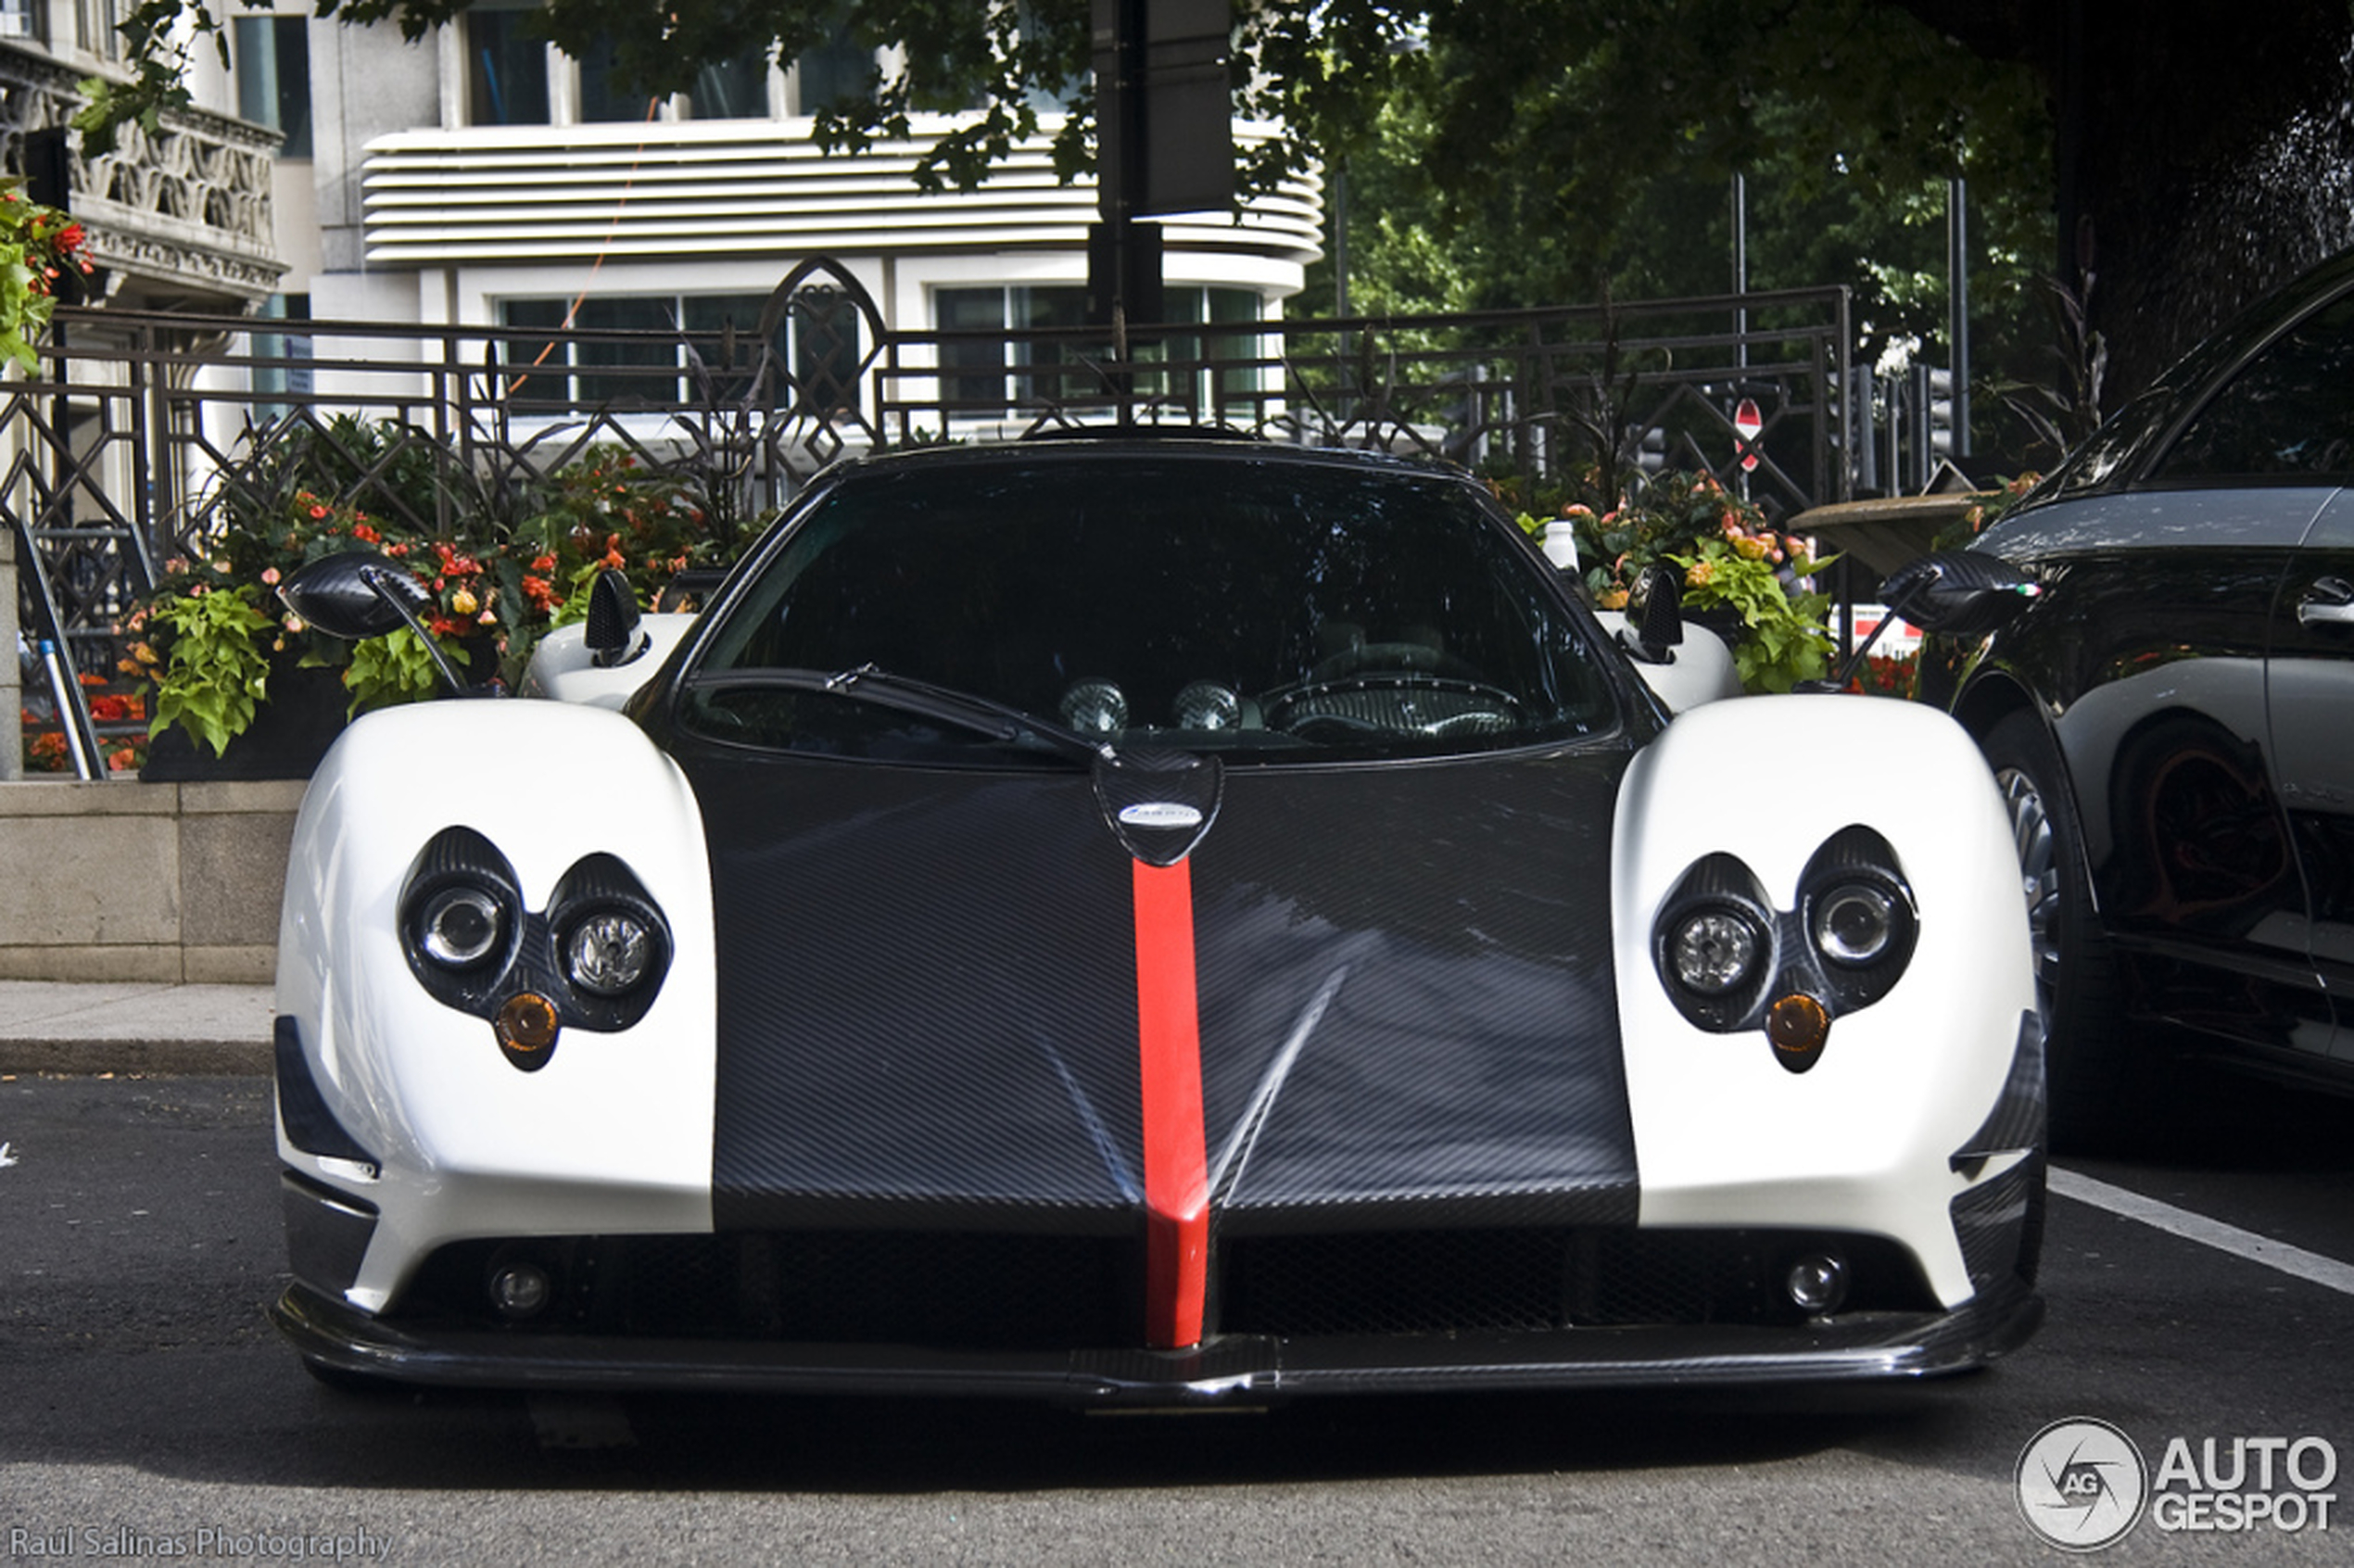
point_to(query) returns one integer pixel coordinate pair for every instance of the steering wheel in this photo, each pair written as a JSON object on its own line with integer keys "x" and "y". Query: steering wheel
{"x": 1397, "y": 707}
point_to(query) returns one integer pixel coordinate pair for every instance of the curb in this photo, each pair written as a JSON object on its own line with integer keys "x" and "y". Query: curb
{"x": 153, "y": 1058}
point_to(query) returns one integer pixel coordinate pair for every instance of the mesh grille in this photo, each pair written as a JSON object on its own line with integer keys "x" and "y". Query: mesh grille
{"x": 1413, "y": 1281}
{"x": 1528, "y": 1281}
{"x": 953, "y": 1290}
{"x": 966, "y": 1291}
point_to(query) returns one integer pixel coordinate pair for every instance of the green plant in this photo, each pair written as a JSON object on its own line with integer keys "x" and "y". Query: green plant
{"x": 389, "y": 669}
{"x": 503, "y": 577}
{"x": 1784, "y": 636}
{"x": 1732, "y": 559}
{"x": 216, "y": 672}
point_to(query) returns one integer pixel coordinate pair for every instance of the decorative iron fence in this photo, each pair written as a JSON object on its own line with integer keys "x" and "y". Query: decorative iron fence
{"x": 143, "y": 433}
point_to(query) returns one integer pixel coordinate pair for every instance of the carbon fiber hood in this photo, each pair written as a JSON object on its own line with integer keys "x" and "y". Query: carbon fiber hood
{"x": 928, "y": 1005}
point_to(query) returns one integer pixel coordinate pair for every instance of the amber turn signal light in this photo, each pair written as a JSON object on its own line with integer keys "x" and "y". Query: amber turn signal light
{"x": 527, "y": 1028}
{"x": 1797, "y": 1026}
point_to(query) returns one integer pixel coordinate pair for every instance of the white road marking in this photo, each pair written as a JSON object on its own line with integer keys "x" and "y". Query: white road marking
{"x": 2182, "y": 1222}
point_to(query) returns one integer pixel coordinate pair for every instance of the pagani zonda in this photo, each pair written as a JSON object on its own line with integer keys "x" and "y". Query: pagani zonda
{"x": 1148, "y": 919}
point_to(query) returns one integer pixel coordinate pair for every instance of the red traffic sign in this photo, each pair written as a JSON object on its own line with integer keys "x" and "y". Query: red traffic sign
{"x": 1747, "y": 422}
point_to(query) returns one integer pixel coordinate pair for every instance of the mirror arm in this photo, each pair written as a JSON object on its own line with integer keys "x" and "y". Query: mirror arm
{"x": 378, "y": 581}
{"x": 1893, "y": 611}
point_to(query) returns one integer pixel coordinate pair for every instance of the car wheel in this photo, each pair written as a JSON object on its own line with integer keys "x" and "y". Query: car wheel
{"x": 2096, "y": 1098}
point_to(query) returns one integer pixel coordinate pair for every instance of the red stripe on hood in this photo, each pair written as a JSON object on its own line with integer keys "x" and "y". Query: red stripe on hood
{"x": 1176, "y": 1157}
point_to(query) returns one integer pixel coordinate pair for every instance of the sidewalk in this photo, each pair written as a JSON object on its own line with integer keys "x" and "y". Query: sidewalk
{"x": 48, "y": 1026}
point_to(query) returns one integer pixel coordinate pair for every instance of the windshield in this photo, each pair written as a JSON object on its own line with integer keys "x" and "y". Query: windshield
{"x": 1270, "y": 609}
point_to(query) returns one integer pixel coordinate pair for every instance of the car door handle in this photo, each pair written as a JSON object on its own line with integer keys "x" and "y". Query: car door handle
{"x": 2329, "y": 603}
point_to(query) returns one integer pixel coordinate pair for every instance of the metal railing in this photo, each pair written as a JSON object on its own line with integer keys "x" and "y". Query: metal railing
{"x": 143, "y": 434}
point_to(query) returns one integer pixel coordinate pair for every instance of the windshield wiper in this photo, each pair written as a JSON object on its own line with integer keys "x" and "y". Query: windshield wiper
{"x": 985, "y": 716}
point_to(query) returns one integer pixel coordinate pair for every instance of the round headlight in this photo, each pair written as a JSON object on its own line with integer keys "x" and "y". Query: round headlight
{"x": 608, "y": 953}
{"x": 1205, "y": 704}
{"x": 1711, "y": 951}
{"x": 1854, "y": 924}
{"x": 1095, "y": 707}
{"x": 461, "y": 926}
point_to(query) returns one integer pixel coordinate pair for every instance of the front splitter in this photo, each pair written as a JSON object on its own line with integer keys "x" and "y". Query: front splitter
{"x": 1237, "y": 1369}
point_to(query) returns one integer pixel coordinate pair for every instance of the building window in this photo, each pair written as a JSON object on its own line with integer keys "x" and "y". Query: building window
{"x": 1005, "y": 370}
{"x": 282, "y": 376}
{"x": 1002, "y": 371}
{"x": 819, "y": 352}
{"x": 274, "y": 78}
{"x": 23, "y": 19}
{"x": 653, "y": 372}
{"x": 506, "y": 69}
{"x": 94, "y": 22}
{"x": 735, "y": 89}
{"x": 839, "y": 68}
{"x": 605, "y": 97}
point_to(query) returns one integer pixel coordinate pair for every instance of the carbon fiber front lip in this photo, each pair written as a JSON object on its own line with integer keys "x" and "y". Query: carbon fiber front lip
{"x": 1235, "y": 1370}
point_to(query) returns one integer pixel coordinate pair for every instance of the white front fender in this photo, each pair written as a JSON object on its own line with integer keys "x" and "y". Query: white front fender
{"x": 1725, "y": 1134}
{"x": 614, "y": 1132}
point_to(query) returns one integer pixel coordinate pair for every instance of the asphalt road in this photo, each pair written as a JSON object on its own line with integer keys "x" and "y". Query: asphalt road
{"x": 146, "y": 1410}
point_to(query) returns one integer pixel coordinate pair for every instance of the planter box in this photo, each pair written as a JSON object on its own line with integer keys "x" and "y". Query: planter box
{"x": 147, "y": 883}
{"x": 289, "y": 733}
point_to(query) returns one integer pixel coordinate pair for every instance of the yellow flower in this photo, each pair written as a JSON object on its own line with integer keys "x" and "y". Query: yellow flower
{"x": 464, "y": 602}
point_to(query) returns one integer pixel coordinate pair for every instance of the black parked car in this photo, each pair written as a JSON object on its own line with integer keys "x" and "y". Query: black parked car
{"x": 2171, "y": 718}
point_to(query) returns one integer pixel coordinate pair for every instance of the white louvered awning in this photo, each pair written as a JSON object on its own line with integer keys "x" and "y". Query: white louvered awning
{"x": 741, "y": 187}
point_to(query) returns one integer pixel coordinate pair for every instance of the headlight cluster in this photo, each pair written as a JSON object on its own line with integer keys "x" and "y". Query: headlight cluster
{"x": 593, "y": 959}
{"x": 1731, "y": 962}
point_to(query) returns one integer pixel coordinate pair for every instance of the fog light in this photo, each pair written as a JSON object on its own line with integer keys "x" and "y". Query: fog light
{"x": 520, "y": 1291}
{"x": 608, "y": 953}
{"x": 1713, "y": 951}
{"x": 1817, "y": 1282}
